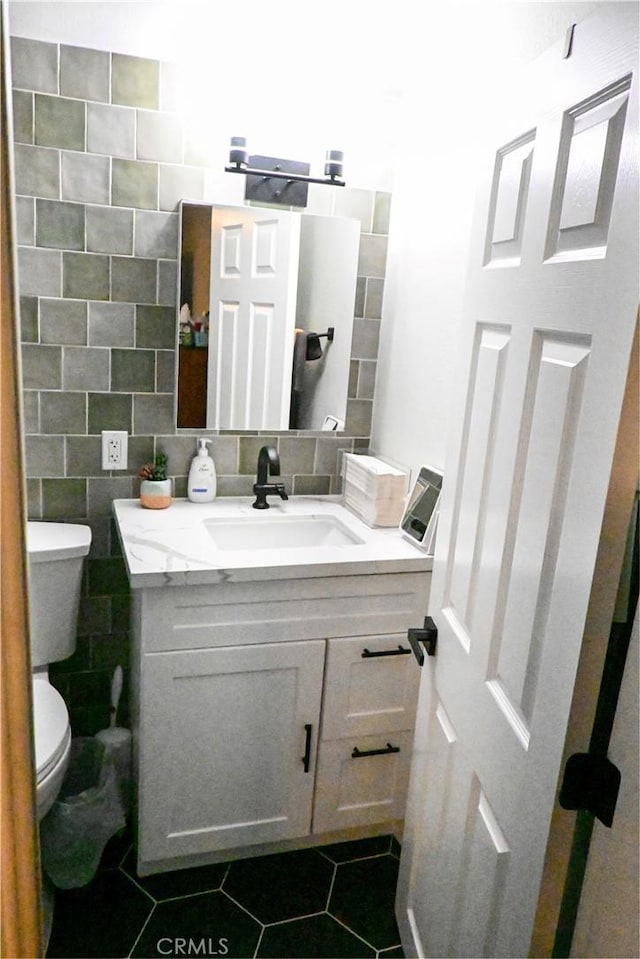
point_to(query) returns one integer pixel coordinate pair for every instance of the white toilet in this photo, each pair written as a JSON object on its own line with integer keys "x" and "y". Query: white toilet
{"x": 56, "y": 554}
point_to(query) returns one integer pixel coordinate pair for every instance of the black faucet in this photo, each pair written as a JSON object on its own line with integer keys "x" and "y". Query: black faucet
{"x": 268, "y": 462}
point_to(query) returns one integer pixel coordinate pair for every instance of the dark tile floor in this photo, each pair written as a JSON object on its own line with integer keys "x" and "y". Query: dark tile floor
{"x": 332, "y": 901}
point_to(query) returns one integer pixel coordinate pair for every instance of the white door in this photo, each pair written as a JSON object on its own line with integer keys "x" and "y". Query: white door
{"x": 254, "y": 274}
{"x": 549, "y": 319}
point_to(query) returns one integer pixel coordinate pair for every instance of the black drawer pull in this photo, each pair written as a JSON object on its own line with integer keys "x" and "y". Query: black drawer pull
{"x": 358, "y": 754}
{"x": 400, "y": 651}
{"x": 306, "y": 759}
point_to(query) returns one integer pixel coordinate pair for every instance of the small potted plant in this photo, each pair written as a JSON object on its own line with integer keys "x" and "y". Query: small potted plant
{"x": 155, "y": 488}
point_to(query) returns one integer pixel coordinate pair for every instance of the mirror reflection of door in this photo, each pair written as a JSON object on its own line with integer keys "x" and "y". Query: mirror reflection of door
{"x": 254, "y": 270}
{"x": 257, "y": 282}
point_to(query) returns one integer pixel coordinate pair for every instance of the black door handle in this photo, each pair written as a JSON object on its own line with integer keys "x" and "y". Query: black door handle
{"x": 427, "y": 635}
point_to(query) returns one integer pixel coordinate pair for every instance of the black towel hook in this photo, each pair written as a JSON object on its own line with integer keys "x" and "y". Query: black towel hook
{"x": 314, "y": 349}
{"x": 329, "y": 334}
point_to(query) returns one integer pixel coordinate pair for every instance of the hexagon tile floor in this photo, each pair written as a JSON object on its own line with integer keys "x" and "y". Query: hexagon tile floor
{"x": 332, "y": 902}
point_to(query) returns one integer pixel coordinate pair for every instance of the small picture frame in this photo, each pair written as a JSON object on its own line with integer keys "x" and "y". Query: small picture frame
{"x": 420, "y": 520}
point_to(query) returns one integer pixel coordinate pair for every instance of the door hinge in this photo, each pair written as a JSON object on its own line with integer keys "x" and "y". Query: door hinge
{"x": 427, "y": 635}
{"x": 591, "y": 782}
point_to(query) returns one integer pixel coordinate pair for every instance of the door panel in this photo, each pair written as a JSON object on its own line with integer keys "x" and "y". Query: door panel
{"x": 586, "y": 173}
{"x": 549, "y": 320}
{"x": 482, "y": 877}
{"x": 254, "y": 271}
{"x": 548, "y": 430}
{"x": 469, "y": 512}
{"x": 510, "y": 194}
{"x": 444, "y": 796}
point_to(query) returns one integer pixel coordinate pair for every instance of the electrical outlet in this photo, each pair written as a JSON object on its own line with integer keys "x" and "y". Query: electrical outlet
{"x": 114, "y": 449}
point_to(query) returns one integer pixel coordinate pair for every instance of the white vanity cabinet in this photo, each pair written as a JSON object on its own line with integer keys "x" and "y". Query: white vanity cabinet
{"x": 248, "y": 744}
{"x": 259, "y": 677}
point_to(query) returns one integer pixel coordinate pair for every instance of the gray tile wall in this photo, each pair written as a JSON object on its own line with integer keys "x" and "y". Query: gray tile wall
{"x": 102, "y": 158}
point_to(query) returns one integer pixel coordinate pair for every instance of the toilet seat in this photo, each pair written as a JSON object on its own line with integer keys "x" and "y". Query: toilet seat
{"x": 52, "y": 733}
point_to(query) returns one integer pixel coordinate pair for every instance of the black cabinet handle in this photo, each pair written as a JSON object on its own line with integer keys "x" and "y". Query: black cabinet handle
{"x": 306, "y": 759}
{"x": 400, "y": 651}
{"x": 358, "y": 754}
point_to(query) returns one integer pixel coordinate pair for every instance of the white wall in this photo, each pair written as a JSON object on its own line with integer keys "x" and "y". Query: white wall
{"x": 465, "y": 68}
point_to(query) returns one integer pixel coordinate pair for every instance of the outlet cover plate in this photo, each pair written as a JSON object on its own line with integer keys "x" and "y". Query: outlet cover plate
{"x": 114, "y": 449}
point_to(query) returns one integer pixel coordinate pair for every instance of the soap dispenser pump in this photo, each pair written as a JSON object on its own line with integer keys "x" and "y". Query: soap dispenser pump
{"x": 202, "y": 483}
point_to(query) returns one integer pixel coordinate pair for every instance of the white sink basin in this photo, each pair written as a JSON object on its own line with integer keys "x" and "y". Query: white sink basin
{"x": 280, "y": 532}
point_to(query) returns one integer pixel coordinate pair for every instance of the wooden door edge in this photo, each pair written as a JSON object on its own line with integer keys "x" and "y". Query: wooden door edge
{"x": 20, "y": 898}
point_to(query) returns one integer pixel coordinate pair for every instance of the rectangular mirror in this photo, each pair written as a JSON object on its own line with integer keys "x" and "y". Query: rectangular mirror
{"x": 266, "y": 306}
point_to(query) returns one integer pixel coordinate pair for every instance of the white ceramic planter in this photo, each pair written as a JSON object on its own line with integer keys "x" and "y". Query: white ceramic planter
{"x": 155, "y": 494}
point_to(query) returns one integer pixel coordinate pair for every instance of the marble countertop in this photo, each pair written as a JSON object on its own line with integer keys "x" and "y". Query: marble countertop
{"x": 172, "y": 547}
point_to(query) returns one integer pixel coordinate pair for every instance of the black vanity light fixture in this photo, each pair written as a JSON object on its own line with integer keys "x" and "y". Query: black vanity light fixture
{"x": 261, "y": 171}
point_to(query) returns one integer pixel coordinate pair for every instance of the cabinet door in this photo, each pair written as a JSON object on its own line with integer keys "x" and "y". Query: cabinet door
{"x": 362, "y": 780}
{"x": 222, "y": 744}
{"x": 371, "y": 686}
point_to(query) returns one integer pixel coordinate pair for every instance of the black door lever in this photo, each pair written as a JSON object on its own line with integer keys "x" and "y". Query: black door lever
{"x": 427, "y": 635}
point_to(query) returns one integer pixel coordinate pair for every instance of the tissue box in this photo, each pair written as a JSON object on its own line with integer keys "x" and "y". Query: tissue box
{"x": 374, "y": 490}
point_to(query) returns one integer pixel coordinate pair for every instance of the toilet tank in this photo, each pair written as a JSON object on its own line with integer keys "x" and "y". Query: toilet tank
{"x": 55, "y": 553}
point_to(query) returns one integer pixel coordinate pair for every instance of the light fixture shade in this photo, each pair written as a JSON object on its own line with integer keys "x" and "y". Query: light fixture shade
{"x": 238, "y": 153}
{"x": 333, "y": 163}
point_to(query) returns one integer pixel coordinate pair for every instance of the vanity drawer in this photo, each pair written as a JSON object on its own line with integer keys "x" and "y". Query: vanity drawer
{"x": 234, "y": 614}
{"x": 371, "y": 686}
{"x": 359, "y": 790}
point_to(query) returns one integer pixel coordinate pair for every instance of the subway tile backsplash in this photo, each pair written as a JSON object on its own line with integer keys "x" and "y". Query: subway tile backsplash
{"x": 135, "y": 81}
{"x": 35, "y": 65}
{"x": 59, "y": 122}
{"x": 103, "y": 156}
{"x": 84, "y": 74}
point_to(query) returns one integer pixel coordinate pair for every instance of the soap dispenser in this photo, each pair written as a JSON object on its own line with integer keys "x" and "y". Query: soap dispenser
{"x": 202, "y": 484}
